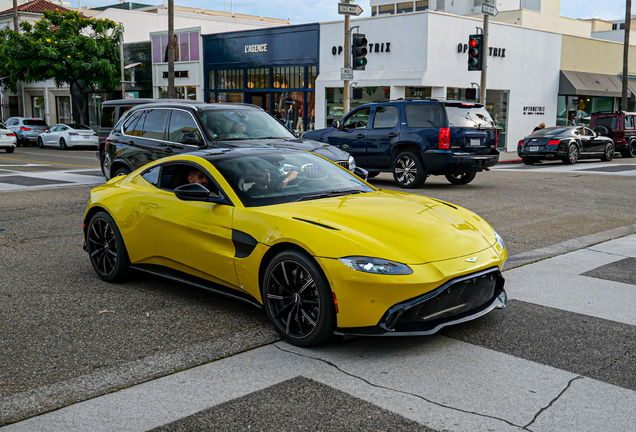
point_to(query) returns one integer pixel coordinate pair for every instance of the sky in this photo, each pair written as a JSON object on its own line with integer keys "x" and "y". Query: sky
{"x": 308, "y": 11}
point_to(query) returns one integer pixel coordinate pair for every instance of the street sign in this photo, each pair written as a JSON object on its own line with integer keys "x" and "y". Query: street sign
{"x": 347, "y": 9}
{"x": 488, "y": 9}
{"x": 346, "y": 74}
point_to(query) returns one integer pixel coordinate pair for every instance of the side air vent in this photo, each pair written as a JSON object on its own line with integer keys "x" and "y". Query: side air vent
{"x": 316, "y": 223}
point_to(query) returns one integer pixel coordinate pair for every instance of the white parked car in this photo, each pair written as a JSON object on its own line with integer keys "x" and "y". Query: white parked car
{"x": 65, "y": 136}
{"x": 7, "y": 139}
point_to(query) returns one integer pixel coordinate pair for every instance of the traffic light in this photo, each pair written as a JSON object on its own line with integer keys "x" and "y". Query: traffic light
{"x": 359, "y": 51}
{"x": 471, "y": 94}
{"x": 476, "y": 52}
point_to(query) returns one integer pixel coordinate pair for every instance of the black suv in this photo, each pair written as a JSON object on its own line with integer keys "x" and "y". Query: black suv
{"x": 151, "y": 131}
{"x": 620, "y": 126}
{"x": 417, "y": 138}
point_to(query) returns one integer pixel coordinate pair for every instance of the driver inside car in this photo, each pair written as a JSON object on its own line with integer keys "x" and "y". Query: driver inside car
{"x": 265, "y": 185}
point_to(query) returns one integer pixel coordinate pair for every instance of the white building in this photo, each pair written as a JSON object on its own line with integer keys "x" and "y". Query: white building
{"x": 427, "y": 57}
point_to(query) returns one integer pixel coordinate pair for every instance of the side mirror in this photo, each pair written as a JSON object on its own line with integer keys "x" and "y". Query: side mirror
{"x": 192, "y": 192}
{"x": 296, "y": 133}
{"x": 362, "y": 173}
{"x": 336, "y": 124}
{"x": 189, "y": 138}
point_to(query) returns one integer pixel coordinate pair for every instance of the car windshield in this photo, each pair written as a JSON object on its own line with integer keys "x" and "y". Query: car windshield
{"x": 468, "y": 115}
{"x": 79, "y": 127}
{"x": 608, "y": 122}
{"x": 276, "y": 177}
{"x": 242, "y": 124}
{"x": 551, "y": 131}
{"x": 34, "y": 123}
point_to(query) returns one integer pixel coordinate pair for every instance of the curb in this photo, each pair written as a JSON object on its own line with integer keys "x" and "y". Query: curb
{"x": 509, "y": 161}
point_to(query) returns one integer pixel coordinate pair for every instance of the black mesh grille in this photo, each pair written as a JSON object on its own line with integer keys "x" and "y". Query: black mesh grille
{"x": 343, "y": 164}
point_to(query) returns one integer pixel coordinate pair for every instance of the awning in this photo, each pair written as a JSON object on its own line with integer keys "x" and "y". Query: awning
{"x": 590, "y": 84}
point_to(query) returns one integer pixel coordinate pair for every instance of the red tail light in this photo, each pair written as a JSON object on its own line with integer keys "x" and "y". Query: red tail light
{"x": 554, "y": 142}
{"x": 11, "y": 134}
{"x": 444, "y": 138}
{"x": 22, "y": 128}
{"x": 496, "y": 138}
{"x": 521, "y": 143}
{"x": 73, "y": 133}
{"x": 47, "y": 130}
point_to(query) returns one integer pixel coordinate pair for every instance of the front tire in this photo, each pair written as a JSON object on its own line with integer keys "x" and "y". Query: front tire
{"x": 40, "y": 143}
{"x": 630, "y": 152}
{"x": 298, "y": 300}
{"x": 408, "y": 170}
{"x": 63, "y": 145}
{"x": 608, "y": 155}
{"x": 572, "y": 156}
{"x": 106, "y": 248}
{"x": 461, "y": 179}
{"x": 121, "y": 171}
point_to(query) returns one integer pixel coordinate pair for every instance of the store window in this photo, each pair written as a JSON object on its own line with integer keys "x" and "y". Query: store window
{"x": 577, "y": 110}
{"x": 311, "y": 76}
{"x": 288, "y": 108}
{"x": 186, "y": 47}
{"x": 334, "y": 99}
{"x": 38, "y": 106}
{"x": 230, "y": 97}
{"x": 229, "y": 79}
{"x": 497, "y": 106}
{"x": 63, "y": 108}
{"x": 288, "y": 77}
{"x": 258, "y": 78}
{"x": 374, "y": 11}
{"x": 181, "y": 92}
{"x": 421, "y": 5}
{"x": 211, "y": 80}
{"x": 404, "y": 7}
{"x": 386, "y": 9}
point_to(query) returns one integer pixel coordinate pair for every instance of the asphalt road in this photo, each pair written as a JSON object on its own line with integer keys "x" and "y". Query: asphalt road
{"x": 67, "y": 336}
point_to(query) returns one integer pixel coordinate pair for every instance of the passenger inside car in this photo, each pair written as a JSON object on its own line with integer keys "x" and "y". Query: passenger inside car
{"x": 195, "y": 175}
{"x": 238, "y": 130}
{"x": 265, "y": 185}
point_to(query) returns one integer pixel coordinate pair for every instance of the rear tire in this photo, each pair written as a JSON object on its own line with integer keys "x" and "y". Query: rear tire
{"x": 63, "y": 145}
{"x": 10, "y": 149}
{"x": 572, "y": 156}
{"x": 298, "y": 300}
{"x": 106, "y": 248}
{"x": 408, "y": 170}
{"x": 608, "y": 155}
{"x": 461, "y": 179}
{"x": 528, "y": 161}
{"x": 629, "y": 152}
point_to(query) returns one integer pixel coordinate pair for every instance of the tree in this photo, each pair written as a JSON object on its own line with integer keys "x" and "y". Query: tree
{"x": 628, "y": 21}
{"x": 67, "y": 47}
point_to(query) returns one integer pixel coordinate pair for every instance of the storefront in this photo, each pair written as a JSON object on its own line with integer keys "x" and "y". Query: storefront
{"x": 427, "y": 58}
{"x": 275, "y": 69}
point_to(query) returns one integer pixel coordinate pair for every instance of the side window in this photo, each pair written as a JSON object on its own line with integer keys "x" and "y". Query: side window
{"x": 155, "y": 124}
{"x": 175, "y": 175}
{"x": 54, "y": 128}
{"x": 577, "y": 131}
{"x": 152, "y": 175}
{"x": 386, "y": 117}
{"x": 108, "y": 117}
{"x": 62, "y": 128}
{"x": 359, "y": 119}
{"x": 422, "y": 115}
{"x": 181, "y": 122}
{"x": 629, "y": 122}
{"x": 129, "y": 125}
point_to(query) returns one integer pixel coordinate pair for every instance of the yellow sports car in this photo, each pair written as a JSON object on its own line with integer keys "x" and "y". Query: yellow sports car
{"x": 321, "y": 250}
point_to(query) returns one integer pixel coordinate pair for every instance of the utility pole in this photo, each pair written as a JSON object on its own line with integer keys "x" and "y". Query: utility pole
{"x": 171, "y": 58}
{"x": 345, "y": 93}
{"x": 16, "y": 27}
{"x": 628, "y": 21}
{"x": 484, "y": 62}
{"x": 121, "y": 60}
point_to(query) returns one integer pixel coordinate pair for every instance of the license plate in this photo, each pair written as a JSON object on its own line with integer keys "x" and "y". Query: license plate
{"x": 475, "y": 142}
{"x": 87, "y": 136}
{"x": 534, "y": 148}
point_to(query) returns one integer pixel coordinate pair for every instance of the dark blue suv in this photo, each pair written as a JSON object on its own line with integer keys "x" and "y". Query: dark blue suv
{"x": 417, "y": 138}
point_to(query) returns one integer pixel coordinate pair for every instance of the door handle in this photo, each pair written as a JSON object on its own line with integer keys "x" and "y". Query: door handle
{"x": 392, "y": 135}
{"x": 360, "y": 136}
{"x": 167, "y": 150}
{"x": 152, "y": 205}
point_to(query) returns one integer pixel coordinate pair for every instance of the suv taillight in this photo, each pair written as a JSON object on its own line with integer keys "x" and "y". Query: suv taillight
{"x": 444, "y": 138}
{"x": 496, "y": 138}
{"x": 521, "y": 143}
{"x": 22, "y": 128}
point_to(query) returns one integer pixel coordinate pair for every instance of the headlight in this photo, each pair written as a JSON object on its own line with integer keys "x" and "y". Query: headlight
{"x": 352, "y": 163}
{"x": 500, "y": 241}
{"x": 376, "y": 265}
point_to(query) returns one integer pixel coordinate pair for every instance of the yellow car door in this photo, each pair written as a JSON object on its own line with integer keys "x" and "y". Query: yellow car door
{"x": 194, "y": 237}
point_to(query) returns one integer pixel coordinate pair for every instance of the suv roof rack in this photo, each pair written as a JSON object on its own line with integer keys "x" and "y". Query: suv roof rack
{"x": 414, "y": 99}
{"x": 607, "y": 112}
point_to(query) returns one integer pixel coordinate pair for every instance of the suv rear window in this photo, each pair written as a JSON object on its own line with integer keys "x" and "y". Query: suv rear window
{"x": 468, "y": 116}
{"x": 108, "y": 116}
{"x": 35, "y": 123}
{"x": 422, "y": 115}
{"x": 608, "y": 122}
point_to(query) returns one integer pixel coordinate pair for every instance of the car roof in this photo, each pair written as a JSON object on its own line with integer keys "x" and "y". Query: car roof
{"x": 140, "y": 101}
{"x": 218, "y": 153}
{"x": 432, "y": 101}
{"x": 200, "y": 105}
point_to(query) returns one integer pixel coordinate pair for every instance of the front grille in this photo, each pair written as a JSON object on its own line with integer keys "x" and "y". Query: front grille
{"x": 343, "y": 164}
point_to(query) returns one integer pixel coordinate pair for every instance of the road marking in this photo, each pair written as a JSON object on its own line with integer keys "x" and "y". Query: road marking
{"x": 51, "y": 163}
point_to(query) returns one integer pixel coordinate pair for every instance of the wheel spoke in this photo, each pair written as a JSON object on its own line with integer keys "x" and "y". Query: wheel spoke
{"x": 289, "y": 319}
{"x": 95, "y": 231}
{"x": 276, "y": 297}
{"x": 308, "y": 318}
{"x": 310, "y": 302}
{"x": 96, "y": 251}
{"x": 280, "y": 284}
{"x": 282, "y": 265}
{"x": 309, "y": 282}
{"x": 282, "y": 309}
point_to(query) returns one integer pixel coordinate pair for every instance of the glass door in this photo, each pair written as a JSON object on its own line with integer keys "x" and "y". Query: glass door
{"x": 63, "y": 106}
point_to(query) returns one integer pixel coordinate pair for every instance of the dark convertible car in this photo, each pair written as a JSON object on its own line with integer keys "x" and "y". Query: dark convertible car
{"x": 567, "y": 143}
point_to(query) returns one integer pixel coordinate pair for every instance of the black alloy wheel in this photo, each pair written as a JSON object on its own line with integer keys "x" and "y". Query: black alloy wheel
{"x": 63, "y": 145}
{"x": 573, "y": 155}
{"x": 408, "y": 170}
{"x": 106, "y": 248}
{"x": 121, "y": 171}
{"x": 10, "y": 149}
{"x": 40, "y": 143}
{"x": 298, "y": 300}
{"x": 630, "y": 151}
{"x": 608, "y": 155}
{"x": 528, "y": 161}
{"x": 461, "y": 179}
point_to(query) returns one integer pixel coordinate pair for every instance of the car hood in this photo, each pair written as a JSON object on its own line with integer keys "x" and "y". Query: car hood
{"x": 325, "y": 150}
{"x": 407, "y": 228}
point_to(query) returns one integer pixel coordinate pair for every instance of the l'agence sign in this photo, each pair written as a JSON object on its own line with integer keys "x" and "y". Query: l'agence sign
{"x": 259, "y": 48}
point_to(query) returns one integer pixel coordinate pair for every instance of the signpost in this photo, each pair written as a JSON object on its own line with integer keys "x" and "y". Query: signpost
{"x": 489, "y": 9}
{"x": 346, "y": 74}
{"x": 348, "y": 9}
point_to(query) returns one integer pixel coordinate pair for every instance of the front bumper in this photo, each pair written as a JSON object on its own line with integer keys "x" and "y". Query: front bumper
{"x": 438, "y": 162}
{"x": 457, "y": 301}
